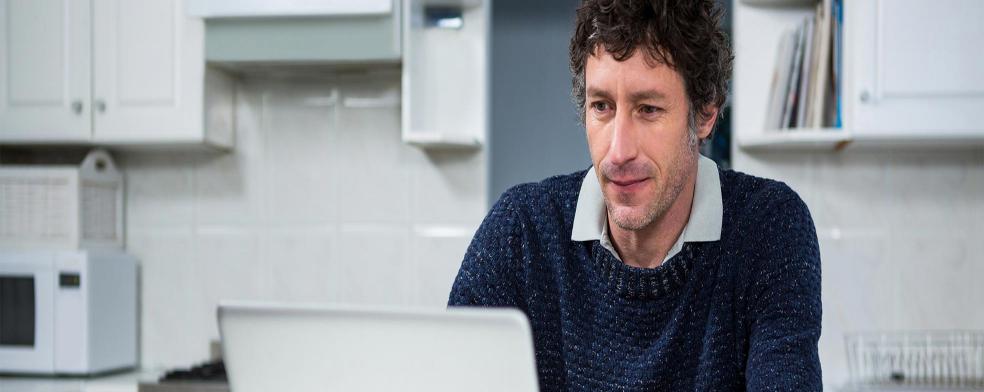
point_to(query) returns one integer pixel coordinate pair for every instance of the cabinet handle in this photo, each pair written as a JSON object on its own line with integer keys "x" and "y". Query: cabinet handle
{"x": 101, "y": 106}
{"x": 865, "y": 96}
{"x": 77, "y": 106}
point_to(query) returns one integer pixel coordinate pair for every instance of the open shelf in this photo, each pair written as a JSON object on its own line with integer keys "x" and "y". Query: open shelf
{"x": 796, "y": 139}
{"x": 442, "y": 140}
{"x": 835, "y": 139}
{"x": 445, "y": 73}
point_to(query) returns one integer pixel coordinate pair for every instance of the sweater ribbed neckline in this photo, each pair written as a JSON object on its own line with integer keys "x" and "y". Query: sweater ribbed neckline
{"x": 642, "y": 283}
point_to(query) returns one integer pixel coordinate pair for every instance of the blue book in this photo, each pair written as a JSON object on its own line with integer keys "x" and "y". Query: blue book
{"x": 838, "y": 12}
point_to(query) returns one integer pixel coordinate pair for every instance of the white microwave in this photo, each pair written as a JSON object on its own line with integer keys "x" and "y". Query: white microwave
{"x": 67, "y": 312}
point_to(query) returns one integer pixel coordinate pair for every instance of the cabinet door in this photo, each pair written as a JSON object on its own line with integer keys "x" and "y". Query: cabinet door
{"x": 917, "y": 67}
{"x": 45, "y": 70}
{"x": 148, "y": 72}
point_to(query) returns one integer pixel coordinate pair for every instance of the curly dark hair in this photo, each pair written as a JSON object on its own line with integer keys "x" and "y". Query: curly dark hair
{"x": 683, "y": 34}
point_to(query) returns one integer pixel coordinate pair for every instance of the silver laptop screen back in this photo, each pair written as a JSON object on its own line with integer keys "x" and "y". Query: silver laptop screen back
{"x": 304, "y": 348}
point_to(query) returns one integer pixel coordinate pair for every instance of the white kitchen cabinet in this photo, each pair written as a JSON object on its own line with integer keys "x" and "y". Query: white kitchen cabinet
{"x": 148, "y": 85}
{"x": 917, "y": 68}
{"x": 45, "y": 81}
{"x": 911, "y": 74}
{"x": 150, "y": 79}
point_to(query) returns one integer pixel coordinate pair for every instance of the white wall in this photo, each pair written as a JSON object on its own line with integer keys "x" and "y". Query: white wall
{"x": 900, "y": 239}
{"x": 319, "y": 202}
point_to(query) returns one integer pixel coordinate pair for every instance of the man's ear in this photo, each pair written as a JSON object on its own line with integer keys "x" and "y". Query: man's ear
{"x": 709, "y": 116}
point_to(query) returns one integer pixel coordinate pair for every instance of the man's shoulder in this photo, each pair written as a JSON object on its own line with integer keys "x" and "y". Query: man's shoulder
{"x": 748, "y": 195}
{"x": 764, "y": 215}
{"x": 769, "y": 226}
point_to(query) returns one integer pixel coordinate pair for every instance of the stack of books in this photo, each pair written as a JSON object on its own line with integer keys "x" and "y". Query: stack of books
{"x": 806, "y": 82}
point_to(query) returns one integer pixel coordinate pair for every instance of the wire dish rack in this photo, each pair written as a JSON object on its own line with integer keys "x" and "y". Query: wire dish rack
{"x": 947, "y": 360}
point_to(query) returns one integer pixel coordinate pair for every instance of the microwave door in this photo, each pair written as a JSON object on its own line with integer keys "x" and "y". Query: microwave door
{"x": 26, "y": 312}
{"x": 17, "y": 306}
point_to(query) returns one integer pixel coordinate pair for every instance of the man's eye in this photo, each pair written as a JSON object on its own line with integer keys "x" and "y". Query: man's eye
{"x": 649, "y": 109}
{"x": 600, "y": 106}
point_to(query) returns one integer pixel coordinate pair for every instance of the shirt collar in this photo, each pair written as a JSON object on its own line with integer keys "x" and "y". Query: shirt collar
{"x": 706, "y": 212}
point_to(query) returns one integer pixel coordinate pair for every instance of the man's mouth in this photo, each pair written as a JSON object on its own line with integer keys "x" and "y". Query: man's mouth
{"x": 628, "y": 185}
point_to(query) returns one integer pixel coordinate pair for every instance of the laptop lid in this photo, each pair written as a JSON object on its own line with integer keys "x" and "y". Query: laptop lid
{"x": 299, "y": 348}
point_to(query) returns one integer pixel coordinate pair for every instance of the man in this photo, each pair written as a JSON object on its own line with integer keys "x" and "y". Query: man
{"x": 654, "y": 269}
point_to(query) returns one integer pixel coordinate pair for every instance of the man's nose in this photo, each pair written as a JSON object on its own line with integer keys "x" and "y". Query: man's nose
{"x": 624, "y": 145}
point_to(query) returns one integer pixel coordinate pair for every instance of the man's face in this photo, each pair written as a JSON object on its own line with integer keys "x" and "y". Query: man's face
{"x": 636, "y": 114}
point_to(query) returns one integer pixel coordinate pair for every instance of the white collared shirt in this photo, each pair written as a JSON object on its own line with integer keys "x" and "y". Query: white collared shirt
{"x": 704, "y": 224}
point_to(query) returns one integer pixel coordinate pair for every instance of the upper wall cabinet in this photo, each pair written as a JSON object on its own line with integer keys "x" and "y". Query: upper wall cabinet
{"x": 45, "y": 79}
{"x": 917, "y": 66}
{"x": 250, "y": 33}
{"x": 109, "y": 72}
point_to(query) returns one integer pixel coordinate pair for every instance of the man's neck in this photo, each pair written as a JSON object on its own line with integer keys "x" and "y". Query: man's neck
{"x": 647, "y": 247}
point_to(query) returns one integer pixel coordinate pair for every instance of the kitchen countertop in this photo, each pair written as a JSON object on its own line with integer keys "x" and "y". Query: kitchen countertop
{"x": 905, "y": 388}
{"x": 120, "y": 382}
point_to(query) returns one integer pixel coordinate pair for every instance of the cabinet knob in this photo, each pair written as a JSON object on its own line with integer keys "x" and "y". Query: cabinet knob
{"x": 865, "y": 96}
{"x": 77, "y": 106}
{"x": 101, "y": 106}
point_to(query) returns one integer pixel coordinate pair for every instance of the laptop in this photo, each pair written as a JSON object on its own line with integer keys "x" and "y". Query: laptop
{"x": 299, "y": 348}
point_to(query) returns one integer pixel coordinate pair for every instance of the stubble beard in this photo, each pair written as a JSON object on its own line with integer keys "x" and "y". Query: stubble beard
{"x": 628, "y": 218}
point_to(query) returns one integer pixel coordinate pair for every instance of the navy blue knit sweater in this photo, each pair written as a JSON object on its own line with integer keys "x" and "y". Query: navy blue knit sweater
{"x": 741, "y": 313}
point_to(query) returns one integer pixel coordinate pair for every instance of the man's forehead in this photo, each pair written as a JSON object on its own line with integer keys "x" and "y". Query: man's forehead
{"x": 633, "y": 76}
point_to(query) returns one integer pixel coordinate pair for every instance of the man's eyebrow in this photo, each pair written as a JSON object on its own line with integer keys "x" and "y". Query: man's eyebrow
{"x": 646, "y": 95}
{"x": 596, "y": 92}
{"x": 643, "y": 95}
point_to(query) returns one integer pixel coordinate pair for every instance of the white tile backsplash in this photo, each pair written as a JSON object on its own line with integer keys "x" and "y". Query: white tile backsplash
{"x": 932, "y": 192}
{"x": 228, "y": 190}
{"x": 859, "y": 200}
{"x": 301, "y": 264}
{"x": 938, "y": 280}
{"x": 859, "y": 290}
{"x": 374, "y": 173}
{"x": 160, "y": 190}
{"x": 435, "y": 261}
{"x": 229, "y": 266}
{"x": 168, "y": 289}
{"x": 300, "y": 163}
{"x": 442, "y": 194}
{"x": 374, "y": 265}
{"x": 860, "y": 283}
{"x": 319, "y": 202}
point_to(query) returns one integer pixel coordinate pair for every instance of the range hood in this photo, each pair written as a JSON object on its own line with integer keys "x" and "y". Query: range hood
{"x": 263, "y": 32}
{"x": 441, "y": 48}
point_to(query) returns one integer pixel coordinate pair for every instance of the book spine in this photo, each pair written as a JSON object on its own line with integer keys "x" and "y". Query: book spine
{"x": 806, "y": 73}
{"x": 823, "y": 79}
{"x": 790, "y": 111}
{"x": 838, "y": 60}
